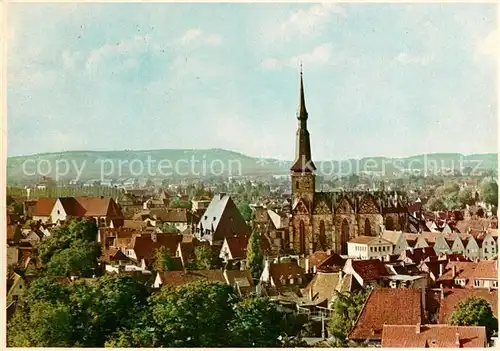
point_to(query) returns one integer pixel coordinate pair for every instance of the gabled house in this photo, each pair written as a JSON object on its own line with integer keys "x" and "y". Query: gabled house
{"x": 457, "y": 274}
{"x": 473, "y": 248}
{"x": 485, "y": 275}
{"x": 283, "y": 274}
{"x": 16, "y": 287}
{"x": 143, "y": 246}
{"x": 368, "y": 247}
{"x": 235, "y": 248}
{"x": 489, "y": 246}
{"x": 366, "y": 272}
{"x": 103, "y": 209}
{"x": 43, "y": 209}
{"x": 220, "y": 220}
{"x": 397, "y": 239}
{"x": 186, "y": 251}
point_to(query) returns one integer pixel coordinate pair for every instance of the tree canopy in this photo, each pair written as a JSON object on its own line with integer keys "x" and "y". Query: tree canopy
{"x": 474, "y": 311}
{"x": 254, "y": 259}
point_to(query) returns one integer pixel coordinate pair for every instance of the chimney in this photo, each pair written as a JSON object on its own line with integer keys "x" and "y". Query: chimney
{"x": 454, "y": 270}
{"x": 442, "y": 292}
{"x": 311, "y": 294}
{"x": 341, "y": 274}
{"x": 307, "y": 265}
{"x": 441, "y": 266}
{"x": 417, "y": 329}
{"x": 457, "y": 339}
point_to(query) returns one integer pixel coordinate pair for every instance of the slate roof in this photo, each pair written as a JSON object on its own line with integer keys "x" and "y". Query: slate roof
{"x": 386, "y": 306}
{"x": 418, "y": 255}
{"x": 436, "y": 336}
{"x": 333, "y": 262}
{"x": 285, "y": 270}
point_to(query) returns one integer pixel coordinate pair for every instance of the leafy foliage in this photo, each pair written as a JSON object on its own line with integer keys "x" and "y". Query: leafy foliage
{"x": 254, "y": 259}
{"x": 80, "y": 259}
{"x": 489, "y": 191}
{"x": 206, "y": 257}
{"x": 346, "y": 308}
{"x": 193, "y": 315}
{"x": 257, "y": 323}
{"x": 46, "y": 325}
{"x": 245, "y": 210}
{"x": 474, "y": 312}
{"x": 163, "y": 260}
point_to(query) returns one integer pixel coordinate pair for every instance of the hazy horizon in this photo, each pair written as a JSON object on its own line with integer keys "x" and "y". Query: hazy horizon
{"x": 381, "y": 80}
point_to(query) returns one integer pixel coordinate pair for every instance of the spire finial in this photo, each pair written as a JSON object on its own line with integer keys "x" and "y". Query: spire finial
{"x": 300, "y": 67}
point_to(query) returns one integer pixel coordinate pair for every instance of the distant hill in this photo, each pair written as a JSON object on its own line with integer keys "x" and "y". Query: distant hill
{"x": 214, "y": 162}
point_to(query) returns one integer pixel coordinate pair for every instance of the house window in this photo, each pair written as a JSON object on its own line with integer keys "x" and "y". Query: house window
{"x": 495, "y": 283}
{"x": 58, "y": 212}
{"x": 371, "y": 249}
{"x": 477, "y": 283}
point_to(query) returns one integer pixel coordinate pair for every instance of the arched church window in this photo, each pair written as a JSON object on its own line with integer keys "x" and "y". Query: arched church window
{"x": 302, "y": 236}
{"x": 389, "y": 223}
{"x": 368, "y": 227}
{"x": 344, "y": 238}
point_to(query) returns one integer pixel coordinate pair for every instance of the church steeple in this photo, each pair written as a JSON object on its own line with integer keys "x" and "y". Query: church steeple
{"x": 303, "y": 161}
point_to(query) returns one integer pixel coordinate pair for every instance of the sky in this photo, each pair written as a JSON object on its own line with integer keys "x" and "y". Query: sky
{"x": 380, "y": 79}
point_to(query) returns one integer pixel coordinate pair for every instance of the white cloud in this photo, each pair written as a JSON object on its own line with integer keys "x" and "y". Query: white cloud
{"x": 128, "y": 49}
{"x": 407, "y": 59}
{"x": 488, "y": 46}
{"x": 196, "y": 35}
{"x": 311, "y": 20}
{"x": 319, "y": 56}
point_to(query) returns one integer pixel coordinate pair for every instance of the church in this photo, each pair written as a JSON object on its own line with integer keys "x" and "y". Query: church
{"x": 327, "y": 220}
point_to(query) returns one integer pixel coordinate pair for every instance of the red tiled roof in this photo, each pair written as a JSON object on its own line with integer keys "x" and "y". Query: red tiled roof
{"x": 238, "y": 245}
{"x": 440, "y": 336}
{"x": 44, "y": 206}
{"x": 369, "y": 269}
{"x": 183, "y": 277}
{"x": 463, "y": 270}
{"x": 453, "y": 296}
{"x": 317, "y": 257}
{"x": 486, "y": 269}
{"x": 387, "y": 306}
{"x": 99, "y": 206}
{"x": 144, "y": 245}
{"x": 113, "y": 255}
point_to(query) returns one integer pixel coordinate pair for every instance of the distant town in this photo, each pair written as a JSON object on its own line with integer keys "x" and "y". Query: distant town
{"x": 270, "y": 259}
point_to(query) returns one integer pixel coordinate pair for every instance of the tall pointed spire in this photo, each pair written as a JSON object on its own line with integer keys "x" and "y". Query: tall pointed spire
{"x": 303, "y": 161}
{"x": 302, "y": 112}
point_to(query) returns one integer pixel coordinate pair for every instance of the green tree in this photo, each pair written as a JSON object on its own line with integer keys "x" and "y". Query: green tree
{"x": 474, "y": 311}
{"x": 245, "y": 210}
{"x": 46, "y": 289}
{"x": 435, "y": 204}
{"x": 80, "y": 259}
{"x": 488, "y": 191}
{"x": 465, "y": 197}
{"x": 168, "y": 228}
{"x": 193, "y": 315}
{"x": 346, "y": 308}
{"x": 46, "y": 325}
{"x": 254, "y": 259}
{"x": 206, "y": 257}
{"x": 163, "y": 260}
{"x": 256, "y": 323}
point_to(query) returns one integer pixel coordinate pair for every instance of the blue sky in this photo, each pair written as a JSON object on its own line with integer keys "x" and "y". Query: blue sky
{"x": 380, "y": 79}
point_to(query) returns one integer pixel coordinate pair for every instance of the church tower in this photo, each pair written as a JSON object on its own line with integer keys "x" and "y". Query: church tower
{"x": 302, "y": 170}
